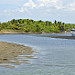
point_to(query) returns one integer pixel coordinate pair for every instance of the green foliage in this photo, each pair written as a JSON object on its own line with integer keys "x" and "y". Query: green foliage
{"x": 55, "y": 22}
{"x": 29, "y": 25}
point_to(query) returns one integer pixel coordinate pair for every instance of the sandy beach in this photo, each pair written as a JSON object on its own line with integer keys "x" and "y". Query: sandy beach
{"x": 9, "y": 51}
{"x": 18, "y": 32}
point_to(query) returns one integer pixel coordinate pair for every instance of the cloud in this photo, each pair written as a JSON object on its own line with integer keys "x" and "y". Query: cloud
{"x": 41, "y": 9}
{"x": 72, "y": 6}
{"x": 45, "y": 6}
{"x": 29, "y": 5}
{"x": 47, "y": 1}
{"x": 37, "y": 4}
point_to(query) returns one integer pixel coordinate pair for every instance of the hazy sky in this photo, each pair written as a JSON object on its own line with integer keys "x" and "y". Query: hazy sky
{"x": 60, "y": 10}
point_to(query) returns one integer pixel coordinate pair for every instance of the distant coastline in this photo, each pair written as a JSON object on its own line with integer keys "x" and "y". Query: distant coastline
{"x": 31, "y": 26}
{"x": 18, "y": 32}
{"x": 22, "y": 32}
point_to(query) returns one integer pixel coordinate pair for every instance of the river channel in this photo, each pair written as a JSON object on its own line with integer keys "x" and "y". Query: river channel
{"x": 52, "y": 56}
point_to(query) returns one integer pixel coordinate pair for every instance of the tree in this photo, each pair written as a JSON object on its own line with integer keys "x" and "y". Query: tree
{"x": 13, "y": 21}
{"x": 40, "y": 21}
{"x": 50, "y": 23}
{"x": 47, "y": 23}
{"x": 37, "y": 28}
{"x": 55, "y": 22}
{"x": 29, "y": 25}
{"x": 0, "y": 26}
{"x": 0, "y": 22}
{"x": 63, "y": 23}
{"x": 59, "y": 23}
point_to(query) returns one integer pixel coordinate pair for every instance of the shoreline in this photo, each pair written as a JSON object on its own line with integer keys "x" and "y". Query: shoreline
{"x": 9, "y": 53}
{"x": 61, "y": 37}
{"x": 19, "y": 32}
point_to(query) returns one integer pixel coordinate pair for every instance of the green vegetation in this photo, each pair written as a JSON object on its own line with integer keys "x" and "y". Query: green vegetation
{"x": 29, "y": 25}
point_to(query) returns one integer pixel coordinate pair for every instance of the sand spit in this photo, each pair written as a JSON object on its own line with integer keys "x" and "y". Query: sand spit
{"x": 9, "y": 53}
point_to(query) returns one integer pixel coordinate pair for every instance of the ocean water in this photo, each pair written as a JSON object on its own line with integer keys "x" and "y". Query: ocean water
{"x": 53, "y": 56}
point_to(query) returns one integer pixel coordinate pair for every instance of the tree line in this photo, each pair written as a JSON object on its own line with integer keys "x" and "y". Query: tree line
{"x": 29, "y": 25}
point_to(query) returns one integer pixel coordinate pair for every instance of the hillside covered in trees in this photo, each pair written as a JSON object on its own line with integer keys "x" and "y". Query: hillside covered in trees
{"x": 29, "y": 25}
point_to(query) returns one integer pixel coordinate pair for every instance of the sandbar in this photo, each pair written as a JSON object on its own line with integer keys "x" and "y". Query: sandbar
{"x": 10, "y": 51}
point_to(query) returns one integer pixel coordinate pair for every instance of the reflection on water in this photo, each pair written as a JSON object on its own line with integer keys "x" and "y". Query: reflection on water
{"x": 55, "y": 56}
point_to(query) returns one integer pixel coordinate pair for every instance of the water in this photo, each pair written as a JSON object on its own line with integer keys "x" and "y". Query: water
{"x": 55, "y": 56}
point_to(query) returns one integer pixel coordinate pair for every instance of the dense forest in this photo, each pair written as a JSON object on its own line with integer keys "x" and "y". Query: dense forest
{"x": 29, "y": 25}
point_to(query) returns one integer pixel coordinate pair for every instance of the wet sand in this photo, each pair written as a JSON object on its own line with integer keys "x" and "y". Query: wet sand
{"x": 63, "y": 37}
{"x": 9, "y": 52}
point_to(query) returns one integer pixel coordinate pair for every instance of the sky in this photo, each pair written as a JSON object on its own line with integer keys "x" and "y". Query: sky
{"x": 46, "y": 10}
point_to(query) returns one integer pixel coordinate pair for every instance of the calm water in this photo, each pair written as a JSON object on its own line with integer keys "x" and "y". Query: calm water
{"x": 55, "y": 56}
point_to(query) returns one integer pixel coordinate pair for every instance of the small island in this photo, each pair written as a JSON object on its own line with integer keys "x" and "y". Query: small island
{"x": 31, "y": 26}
